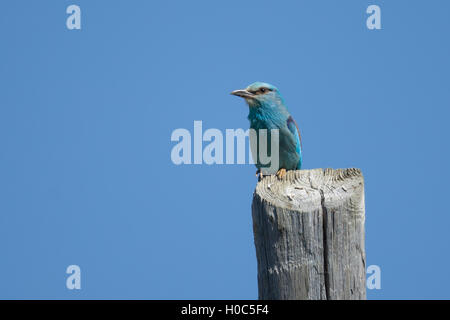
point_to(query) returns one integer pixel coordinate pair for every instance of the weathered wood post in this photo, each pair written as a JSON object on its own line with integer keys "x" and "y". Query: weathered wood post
{"x": 309, "y": 235}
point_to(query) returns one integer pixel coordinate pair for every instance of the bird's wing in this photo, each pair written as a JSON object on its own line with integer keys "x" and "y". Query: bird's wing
{"x": 293, "y": 128}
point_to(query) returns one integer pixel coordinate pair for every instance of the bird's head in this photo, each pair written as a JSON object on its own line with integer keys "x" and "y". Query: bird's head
{"x": 260, "y": 94}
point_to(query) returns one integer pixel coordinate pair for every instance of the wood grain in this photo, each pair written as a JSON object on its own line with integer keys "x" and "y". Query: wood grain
{"x": 309, "y": 235}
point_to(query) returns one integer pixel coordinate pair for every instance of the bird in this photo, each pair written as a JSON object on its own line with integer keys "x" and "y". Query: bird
{"x": 267, "y": 110}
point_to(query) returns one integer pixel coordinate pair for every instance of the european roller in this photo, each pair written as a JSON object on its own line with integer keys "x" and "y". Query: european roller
{"x": 267, "y": 110}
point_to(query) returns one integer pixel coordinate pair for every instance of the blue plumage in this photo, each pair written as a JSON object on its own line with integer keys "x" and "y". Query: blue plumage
{"x": 268, "y": 111}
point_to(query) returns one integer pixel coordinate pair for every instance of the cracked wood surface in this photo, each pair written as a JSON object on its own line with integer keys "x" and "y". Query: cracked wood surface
{"x": 309, "y": 235}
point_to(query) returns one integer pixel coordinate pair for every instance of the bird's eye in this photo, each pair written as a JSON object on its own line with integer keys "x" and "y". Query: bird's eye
{"x": 262, "y": 90}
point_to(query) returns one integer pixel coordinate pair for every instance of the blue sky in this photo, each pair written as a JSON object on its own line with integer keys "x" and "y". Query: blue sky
{"x": 86, "y": 117}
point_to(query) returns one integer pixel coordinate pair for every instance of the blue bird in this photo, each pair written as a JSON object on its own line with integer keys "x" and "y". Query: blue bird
{"x": 268, "y": 111}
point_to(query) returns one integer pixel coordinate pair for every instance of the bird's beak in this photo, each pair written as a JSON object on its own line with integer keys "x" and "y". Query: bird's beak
{"x": 243, "y": 93}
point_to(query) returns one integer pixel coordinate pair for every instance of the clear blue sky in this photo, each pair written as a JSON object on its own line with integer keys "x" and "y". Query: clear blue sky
{"x": 86, "y": 118}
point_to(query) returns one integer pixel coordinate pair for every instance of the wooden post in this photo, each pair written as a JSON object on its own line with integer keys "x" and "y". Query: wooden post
{"x": 309, "y": 235}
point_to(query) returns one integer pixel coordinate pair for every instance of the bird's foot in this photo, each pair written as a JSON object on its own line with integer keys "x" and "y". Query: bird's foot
{"x": 281, "y": 173}
{"x": 259, "y": 174}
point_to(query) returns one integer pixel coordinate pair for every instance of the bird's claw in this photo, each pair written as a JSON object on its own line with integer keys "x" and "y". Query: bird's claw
{"x": 259, "y": 175}
{"x": 281, "y": 173}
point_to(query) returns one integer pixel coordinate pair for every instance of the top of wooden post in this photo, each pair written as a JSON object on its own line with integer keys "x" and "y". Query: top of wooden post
{"x": 303, "y": 190}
